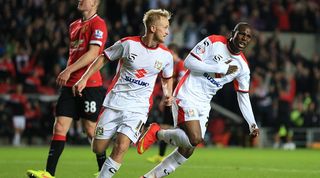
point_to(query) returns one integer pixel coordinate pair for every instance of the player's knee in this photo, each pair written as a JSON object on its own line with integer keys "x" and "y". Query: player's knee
{"x": 120, "y": 147}
{"x": 60, "y": 129}
{"x": 89, "y": 128}
{"x": 90, "y": 133}
{"x": 195, "y": 140}
{"x": 97, "y": 150}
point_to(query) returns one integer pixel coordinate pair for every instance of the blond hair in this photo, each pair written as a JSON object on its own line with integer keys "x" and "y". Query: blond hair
{"x": 153, "y": 15}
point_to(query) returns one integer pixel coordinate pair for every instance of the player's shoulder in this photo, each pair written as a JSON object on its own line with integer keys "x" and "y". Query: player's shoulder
{"x": 98, "y": 19}
{"x": 217, "y": 38}
{"x": 164, "y": 48}
{"x": 243, "y": 58}
{"x": 75, "y": 22}
{"x": 131, "y": 39}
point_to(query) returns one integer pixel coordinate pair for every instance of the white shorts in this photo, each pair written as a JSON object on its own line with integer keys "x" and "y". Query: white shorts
{"x": 183, "y": 114}
{"x": 112, "y": 121}
{"x": 19, "y": 122}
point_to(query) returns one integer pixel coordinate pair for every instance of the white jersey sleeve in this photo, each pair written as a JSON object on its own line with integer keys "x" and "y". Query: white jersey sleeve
{"x": 195, "y": 61}
{"x": 115, "y": 51}
{"x": 241, "y": 85}
{"x": 167, "y": 71}
{"x": 246, "y": 109}
{"x": 242, "y": 82}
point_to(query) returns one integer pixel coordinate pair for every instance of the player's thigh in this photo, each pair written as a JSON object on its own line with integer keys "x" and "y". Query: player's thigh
{"x": 132, "y": 124}
{"x": 90, "y": 103}
{"x": 192, "y": 120}
{"x": 108, "y": 122}
{"x": 121, "y": 144}
{"x": 67, "y": 104}
{"x": 89, "y": 127}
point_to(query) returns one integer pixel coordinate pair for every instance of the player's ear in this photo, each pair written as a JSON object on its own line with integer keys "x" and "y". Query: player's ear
{"x": 153, "y": 28}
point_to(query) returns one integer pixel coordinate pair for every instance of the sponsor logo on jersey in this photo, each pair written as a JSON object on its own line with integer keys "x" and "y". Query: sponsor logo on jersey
{"x": 211, "y": 79}
{"x": 158, "y": 65}
{"x": 132, "y": 57}
{"x": 98, "y": 34}
{"x": 135, "y": 81}
{"x": 217, "y": 58}
{"x": 140, "y": 73}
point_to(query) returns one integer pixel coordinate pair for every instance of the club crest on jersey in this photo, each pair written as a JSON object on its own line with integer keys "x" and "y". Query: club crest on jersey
{"x": 158, "y": 65}
{"x": 84, "y": 29}
{"x": 200, "y": 49}
{"x": 191, "y": 112}
{"x": 99, "y": 131}
{"x": 98, "y": 34}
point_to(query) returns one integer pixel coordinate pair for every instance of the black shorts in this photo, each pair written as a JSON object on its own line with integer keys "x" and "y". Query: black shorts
{"x": 86, "y": 107}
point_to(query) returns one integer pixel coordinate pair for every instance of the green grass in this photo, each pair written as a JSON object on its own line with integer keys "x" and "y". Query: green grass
{"x": 78, "y": 162}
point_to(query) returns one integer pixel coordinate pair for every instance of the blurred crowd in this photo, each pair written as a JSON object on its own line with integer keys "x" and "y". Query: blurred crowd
{"x": 285, "y": 85}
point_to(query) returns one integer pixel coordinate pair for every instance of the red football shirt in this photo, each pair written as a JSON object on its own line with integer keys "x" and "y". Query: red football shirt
{"x": 82, "y": 34}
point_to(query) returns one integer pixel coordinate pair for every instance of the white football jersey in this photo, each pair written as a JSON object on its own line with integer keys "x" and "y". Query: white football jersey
{"x": 209, "y": 61}
{"x": 137, "y": 70}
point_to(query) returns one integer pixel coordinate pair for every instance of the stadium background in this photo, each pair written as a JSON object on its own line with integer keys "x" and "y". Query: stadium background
{"x": 284, "y": 56}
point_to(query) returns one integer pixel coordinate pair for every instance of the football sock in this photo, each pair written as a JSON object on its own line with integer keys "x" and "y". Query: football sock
{"x": 176, "y": 137}
{"x": 17, "y": 139}
{"x": 56, "y": 148}
{"x": 168, "y": 165}
{"x": 162, "y": 148}
{"x": 109, "y": 168}
{"x": 101, "y": 158}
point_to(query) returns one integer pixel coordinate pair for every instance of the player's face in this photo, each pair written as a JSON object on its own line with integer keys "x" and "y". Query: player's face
{"x": 242, "y": 37}
{"x": 162, "y": 30}
{"x": 86, "y": 5}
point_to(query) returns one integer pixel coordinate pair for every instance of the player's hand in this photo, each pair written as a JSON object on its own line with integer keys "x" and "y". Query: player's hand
{"x": 254, "y": 131}
{"x": 78, "y": 87}
{"x": 63, "y": 77}
{"x": 168, "y": 100}
{"x": 232, "y": 69}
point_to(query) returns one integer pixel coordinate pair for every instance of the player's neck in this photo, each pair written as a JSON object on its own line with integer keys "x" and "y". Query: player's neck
{"x": 88, "y": 14}
{"x": 232, "y": 48}
{"x": 149, "y": 42}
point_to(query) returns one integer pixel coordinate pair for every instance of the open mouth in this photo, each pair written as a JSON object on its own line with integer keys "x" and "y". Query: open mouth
{"x": 242, "y": 44}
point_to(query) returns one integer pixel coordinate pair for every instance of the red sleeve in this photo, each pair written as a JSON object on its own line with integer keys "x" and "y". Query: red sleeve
{"x": 99, "y": 33}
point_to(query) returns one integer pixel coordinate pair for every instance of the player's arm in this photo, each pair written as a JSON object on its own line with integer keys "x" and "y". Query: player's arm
{"x": 97, "y": 64}
{"x": 246, "y": 110}
{"x": 241, "y": 85}
{"x": 167, "y": 90}
{"x": 112, "y": 53}
{"x": 194, "y": 61}
{"x": 83, "y": 61}
{"x": 195, "y": 65}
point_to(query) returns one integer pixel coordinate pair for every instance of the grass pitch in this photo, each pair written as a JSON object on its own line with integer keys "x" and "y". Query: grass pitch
{"x": 79, "y": 162}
